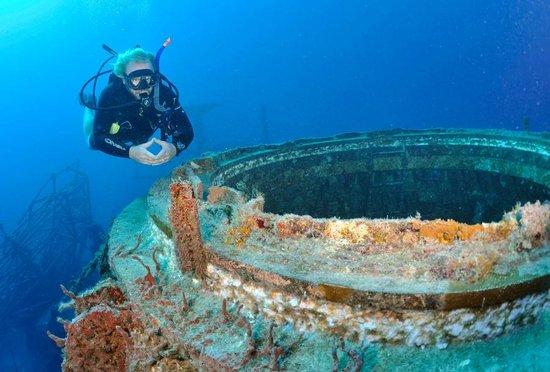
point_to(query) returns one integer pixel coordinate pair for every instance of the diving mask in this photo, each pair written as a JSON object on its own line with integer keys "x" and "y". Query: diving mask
{"x": 140, "y": 79}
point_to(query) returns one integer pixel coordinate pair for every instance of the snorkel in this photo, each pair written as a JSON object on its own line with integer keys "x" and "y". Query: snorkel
{"x": 156, "y": 62}
{"x": 156, "y": 65}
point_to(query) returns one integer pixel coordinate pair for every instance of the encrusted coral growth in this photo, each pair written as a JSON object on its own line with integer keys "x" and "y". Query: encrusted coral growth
{"x": 402, "y": 248}
{"x": 355, "y": 356}
{"x": 471, "y": 265}
{"x": 173, "y": 365}
{"x": 409, "y": 231}
{"x": 121, "y": 251}
{"x": 185, "y": 221}
{"x": 101, "y": 340}
{"x": 221, "y": 194}
{"x": 118, "y": 339}
{"x": 412, "y": 327}
{"x": 448, "y": 231}
{"x": 104, "y": 293}
{"x": 222, "y": 285}
{"x": 242, "y": 217}
{"x": 534, "y": 225}
{"x": 239, "y": 234}
{"x": 111, "y": 335}
{"x": 148, "y": 283}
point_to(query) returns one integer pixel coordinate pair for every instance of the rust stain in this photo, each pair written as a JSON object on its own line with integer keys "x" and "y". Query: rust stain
{"x": 336, "y": 293}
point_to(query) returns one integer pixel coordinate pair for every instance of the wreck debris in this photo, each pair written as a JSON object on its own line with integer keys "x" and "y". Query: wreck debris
{"x": 227, "y": 249}
{"x": 45, "y": 246}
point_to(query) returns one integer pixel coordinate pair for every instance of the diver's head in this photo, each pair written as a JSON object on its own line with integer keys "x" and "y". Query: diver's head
{"x": 135, "y": 68}
{"x": 139, "y": 78}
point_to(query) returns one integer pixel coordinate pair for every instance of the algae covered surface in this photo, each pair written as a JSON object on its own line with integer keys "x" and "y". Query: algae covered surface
{"x": 524, "y": 349}
{"x": 211, "y": 281}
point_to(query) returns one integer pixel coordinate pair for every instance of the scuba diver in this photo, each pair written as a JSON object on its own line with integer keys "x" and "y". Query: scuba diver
{"x": 137, "y": 101}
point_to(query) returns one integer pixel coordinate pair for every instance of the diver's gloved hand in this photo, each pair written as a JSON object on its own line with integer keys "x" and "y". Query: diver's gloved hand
{"x": 167, "y": 152}
{"x": 141, "y": 153}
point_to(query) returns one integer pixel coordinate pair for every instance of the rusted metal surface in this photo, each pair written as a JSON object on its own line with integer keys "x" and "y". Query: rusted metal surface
{"x": 516, "y": 154}
{"x": 382, "y": 300}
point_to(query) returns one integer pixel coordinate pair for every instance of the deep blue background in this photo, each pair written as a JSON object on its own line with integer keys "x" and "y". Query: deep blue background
{"x": 320, "y": 67}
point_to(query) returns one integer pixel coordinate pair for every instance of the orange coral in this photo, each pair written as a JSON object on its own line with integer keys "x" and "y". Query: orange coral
{"x": 500, "y": 230}
{"x": 101, "y": 340}
{"x": 238, "y": 235}
{"x": 108, "y": 294}
{"x": 448, "y": 231}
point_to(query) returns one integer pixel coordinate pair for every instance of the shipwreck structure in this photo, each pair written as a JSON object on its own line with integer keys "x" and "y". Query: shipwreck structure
{"x": 378, "y": 249}
{"x": 46, "y": 246}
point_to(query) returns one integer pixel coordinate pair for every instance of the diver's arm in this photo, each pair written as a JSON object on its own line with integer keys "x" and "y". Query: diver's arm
{"x": 103, "y": 141}
{"x": 100, "y": 138}
{"x": 183, "y": 133}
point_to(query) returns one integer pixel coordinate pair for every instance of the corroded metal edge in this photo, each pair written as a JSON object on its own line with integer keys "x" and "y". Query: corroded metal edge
{"x": 381, "y": 300}
{"x": 217, "y": 167}
{"x": 528, "y": 140}
{"x": 211, "y": 167}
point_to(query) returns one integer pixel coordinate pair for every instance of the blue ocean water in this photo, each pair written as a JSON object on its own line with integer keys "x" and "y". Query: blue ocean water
{"x": 308, "y": 68}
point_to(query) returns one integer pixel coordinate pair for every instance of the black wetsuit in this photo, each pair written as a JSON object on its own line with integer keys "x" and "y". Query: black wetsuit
{"x": 116, "y": 130}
